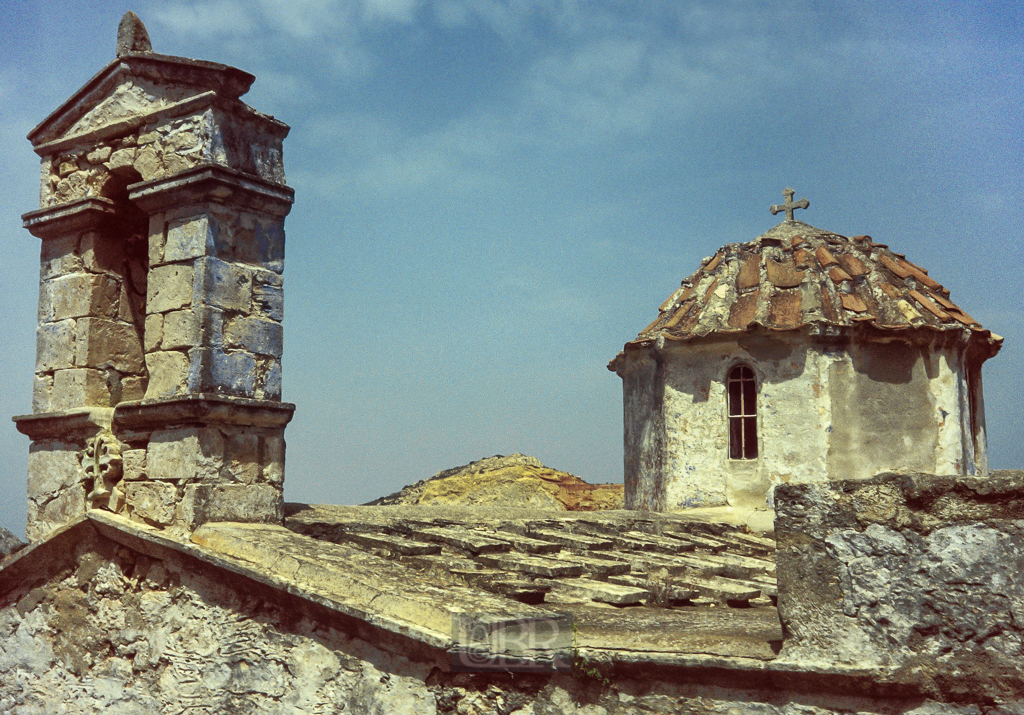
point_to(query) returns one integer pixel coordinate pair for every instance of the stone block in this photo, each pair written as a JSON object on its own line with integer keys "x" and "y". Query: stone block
{"x": 122, "y": 158}
{"x": 129, "y": 306}
{"x": 148, "y": 164}
{"x": 169, "y": 288}
{"x": 181, "y": 330}
{"x": 153, "y": 502}
{"x": 44, "y": 518}
{"x": 188, "y": 239}
{"x": 183, "y": 136}
{"x": 102, "y": 253}
{"x": 55, "y": 345}
{"x": 59, "y": 257}
{"x": 80, "y": 387}
{"x": 157, "y": 228}
{"x": 133, "y": 464}
{"x": 185, "y": 454}
{"x": 234, "y": 242}
{"x": 52, "y": 466}
{"x": 201, "y": 326}
{"x": 222, "y": 285}
{"x": 272, "y": 459}
{"x": 268, "y": 295}
{"x": 269, "y": 384}
{"x": 99, "y": 154}
{"x": 243, "y": 457}
{"x": 133, "y": 388}
{"x": 270, "y": 243}
{"x": 253, "y": 503}
{"x": 168, "y": 374}
{"x": 154, "y": 332}
{"x": 102, "y": 343}
{"x": 213, "y": 370}
{"x": 77, "y": 295}
{"x": 42, "y": 393}
{"x": 255, "y": 335}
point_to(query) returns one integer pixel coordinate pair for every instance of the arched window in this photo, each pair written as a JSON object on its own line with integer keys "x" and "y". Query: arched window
{"x": 742, "y": 413}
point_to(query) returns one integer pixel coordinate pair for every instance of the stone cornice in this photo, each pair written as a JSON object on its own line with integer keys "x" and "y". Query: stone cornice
{"x": 213, "y": 182}
{"x": 149, "y": 415}
{"x": 64, "y": 219}
{"x": 81, "y": 422}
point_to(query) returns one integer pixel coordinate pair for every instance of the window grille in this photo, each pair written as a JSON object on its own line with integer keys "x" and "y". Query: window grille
{"x": 742, "y": 413}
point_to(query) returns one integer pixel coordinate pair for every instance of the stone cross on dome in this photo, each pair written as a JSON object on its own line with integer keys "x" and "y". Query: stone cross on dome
{"x": 790, "y": 205}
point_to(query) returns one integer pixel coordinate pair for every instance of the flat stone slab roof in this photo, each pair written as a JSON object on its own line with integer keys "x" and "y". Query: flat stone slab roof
{"x": 630, "y": 587}
{"x": 632, "y": 581}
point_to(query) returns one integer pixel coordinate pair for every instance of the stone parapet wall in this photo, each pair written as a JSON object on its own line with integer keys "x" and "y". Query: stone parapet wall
{"x": 915, "y": 574}
{"x": 92, "y": 624}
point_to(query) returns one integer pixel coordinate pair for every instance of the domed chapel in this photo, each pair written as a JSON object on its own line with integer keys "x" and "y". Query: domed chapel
{"x": 800, "y": 356}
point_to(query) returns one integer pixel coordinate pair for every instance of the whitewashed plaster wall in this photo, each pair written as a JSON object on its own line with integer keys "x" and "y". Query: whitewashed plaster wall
{"x": 825, "y": 411}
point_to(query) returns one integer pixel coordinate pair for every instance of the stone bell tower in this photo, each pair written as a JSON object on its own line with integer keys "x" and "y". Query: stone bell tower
{"x": 158, "y": 364}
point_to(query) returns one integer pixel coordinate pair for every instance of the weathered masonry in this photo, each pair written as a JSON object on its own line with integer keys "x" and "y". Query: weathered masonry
{"x": 158, "y": 367}
{"x": 801, "y": 356}
{"x": 165, "y": 575}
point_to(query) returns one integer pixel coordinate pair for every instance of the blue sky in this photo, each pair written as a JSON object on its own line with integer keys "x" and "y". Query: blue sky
{"x": 494, "y": 195}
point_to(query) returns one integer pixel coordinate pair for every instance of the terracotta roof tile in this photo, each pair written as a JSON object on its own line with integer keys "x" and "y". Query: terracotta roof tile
{"x": 890, "y": 290}
{"x": 825, "y": 257}
{"x": 727, "y": 293}
{"x": 929, "y": 305}
{"x": 964, "y": 318}
{"x": 827, "y": 308}
{"x": 893, "y": 266}
{"x": 852, "y": 265}
{"x": 860, "y": 239}
{"x": 710, "y": 291}
{"x": 668, "y": 302}
{"x": 943, "y": 301}
{"x": 650, "y": 327}
{"x": 838, "y": 275}
{"x": 913, "y": 265}
{"x": 785, "y": 309}
{"x": 744, "y": 309}
{"x": 784, "y": 274}
{"x": 686, "y": 326}
{"x": 921, "y": 275}
{"x": 678, "y": 316}
{"x": 750, "y": 271}
{"x": 853, "y": 302}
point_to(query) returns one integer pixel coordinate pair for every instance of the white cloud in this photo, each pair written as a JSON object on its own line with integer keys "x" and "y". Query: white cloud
{"x": 302, "y": 19}
{"x": 207, "y": 20}
{"x": 403, "y": 11}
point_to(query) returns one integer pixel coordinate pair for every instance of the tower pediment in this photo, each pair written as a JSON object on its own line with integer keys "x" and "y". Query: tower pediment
{"x": 132, "y": 88}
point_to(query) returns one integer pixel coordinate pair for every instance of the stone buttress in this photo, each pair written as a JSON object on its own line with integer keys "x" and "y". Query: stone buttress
{"x": 158, "y": 369}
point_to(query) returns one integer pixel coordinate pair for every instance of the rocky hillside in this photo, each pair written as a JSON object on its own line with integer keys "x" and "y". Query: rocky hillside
{"x": 513, "y": 481}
